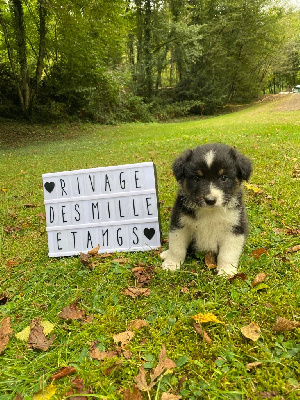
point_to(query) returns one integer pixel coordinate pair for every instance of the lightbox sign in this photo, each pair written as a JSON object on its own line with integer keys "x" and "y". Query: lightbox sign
{"x": 114, "y": 207}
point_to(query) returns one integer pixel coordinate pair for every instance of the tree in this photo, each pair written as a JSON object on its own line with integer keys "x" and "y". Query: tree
{"x": 16, "y": 46}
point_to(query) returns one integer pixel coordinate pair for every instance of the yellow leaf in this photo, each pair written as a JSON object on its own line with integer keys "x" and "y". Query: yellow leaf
{"x": 45, "y": 394}
{"x": 209, "y": 317}
{"x": 24, "y": 334}
{"x": 254, "y": 188}
{"x": 251, "y": 331}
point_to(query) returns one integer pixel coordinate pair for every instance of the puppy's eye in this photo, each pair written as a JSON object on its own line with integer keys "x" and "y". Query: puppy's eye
{"x": 197, "y": 178}
{"x": 223, "y": 178}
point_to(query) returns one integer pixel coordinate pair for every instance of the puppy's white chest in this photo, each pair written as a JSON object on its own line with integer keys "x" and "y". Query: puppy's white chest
{"x": 210, "y": 227}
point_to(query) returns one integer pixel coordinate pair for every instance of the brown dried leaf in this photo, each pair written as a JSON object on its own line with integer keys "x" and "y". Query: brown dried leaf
{"x": 253, "y": 365}
{"x": 94, "y": 251}
{"x": 3, "y": 298}
{"x": 202, "y": 333}
{"x": 124, "y": 338}
{"x": 141, "y": 381}
{"x": 12, "y": 263}
{"x": 37, "y": 339}
{"x": 85, "y": 260}
{"x": 240, "y": 275}
{"x": 170, "y": 396}
{"x": 133, "y": 394}
{"x": 143, "y": 275}
{"x": 134, "y": 292}
{"x": 185, "y": 290}
{"x": 259, "y": 252}
{"x": 72, "y": 312}
{"x": 113, "y": 368}
{"x": 79, "y": 388}
{"x": 120, "y": 260}
{"x": 259, "y": 278}
{"x": 137, "y": 324}
{"x": 283, "y": 324}
{"x": 268, "y": 395}
{"x": 5, "y": 333}
{"x": 101, "y": 355}
{"x": 164, "y": 363}
{"x": 251, "y": 331}
{"x": 64, "y": 371}
{"x": 294, "y": 249}
{"x": 210, "y": 260}
{"x": 18, "y": 397}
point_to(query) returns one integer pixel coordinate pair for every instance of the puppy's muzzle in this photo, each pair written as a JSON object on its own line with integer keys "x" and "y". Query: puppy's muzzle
{"x": 210, "y": 200}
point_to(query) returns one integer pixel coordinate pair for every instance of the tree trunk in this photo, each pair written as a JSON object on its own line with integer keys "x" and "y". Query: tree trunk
{"x": 23, "y": 83}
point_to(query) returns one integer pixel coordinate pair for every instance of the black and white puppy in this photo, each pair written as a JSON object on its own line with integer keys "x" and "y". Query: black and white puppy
{"x": 209, "y": 212}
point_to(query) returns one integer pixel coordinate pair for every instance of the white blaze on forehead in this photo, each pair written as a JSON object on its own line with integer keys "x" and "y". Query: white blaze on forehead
{"x": 209, "y": 157}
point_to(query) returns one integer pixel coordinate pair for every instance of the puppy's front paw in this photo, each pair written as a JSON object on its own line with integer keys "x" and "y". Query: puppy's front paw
{"x": 227, "y": 270}
{"x": 164, "y": 254}
{"x": 171, "y": 265}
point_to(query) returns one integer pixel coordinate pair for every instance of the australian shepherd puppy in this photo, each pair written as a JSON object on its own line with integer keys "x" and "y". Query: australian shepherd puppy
{"x": 209, "y": 212}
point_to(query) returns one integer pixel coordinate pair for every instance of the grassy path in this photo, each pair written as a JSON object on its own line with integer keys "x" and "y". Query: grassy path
{"x": 32, "y": 285}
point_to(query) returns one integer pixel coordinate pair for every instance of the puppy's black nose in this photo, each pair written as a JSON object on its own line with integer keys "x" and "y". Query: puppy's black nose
{"x": 210, "y": 201}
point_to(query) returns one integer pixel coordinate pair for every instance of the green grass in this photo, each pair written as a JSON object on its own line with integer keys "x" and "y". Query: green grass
{"x": 39, "y": 286}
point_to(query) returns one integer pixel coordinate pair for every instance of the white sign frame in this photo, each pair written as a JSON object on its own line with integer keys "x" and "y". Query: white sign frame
{"x": 115, "y": 207}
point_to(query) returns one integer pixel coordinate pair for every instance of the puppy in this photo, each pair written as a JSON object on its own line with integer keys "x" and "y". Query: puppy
{"x": 209, "y": 212}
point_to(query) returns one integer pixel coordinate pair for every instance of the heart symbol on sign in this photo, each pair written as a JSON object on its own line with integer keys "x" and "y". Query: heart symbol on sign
{"x": 49, "y": 186}
{"x": 149, "y": 233}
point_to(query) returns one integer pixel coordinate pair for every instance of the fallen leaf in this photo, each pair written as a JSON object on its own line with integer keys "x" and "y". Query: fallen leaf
{"x": 134, "y": 292}
{"x": 24, "y": 334}
{"x": 120, "y": 260}
{"x": 113, "y": 368}
{"x": 5, "y": 333}
{"x": 251, "y": 331}
{"x": 202, "y": 333}
{"x": 143, "y": 275}
{"x": 3, "y": 298}
{"x": 240, "y": 275}
{"x": 124, "y": 338}
{"x": 259, "y": 278}
{"x": 268, "y": 395}
{"x": 259, "y": 252}
{"x": 283, "y": 324}
{"x": 209, "y": 317}
{"x": 132, "y": 394}
{"x": 72, "y": 311}
{"x": 64, "y": 371}
{"x": 141, "y": 381}
{"x": 18, "y": 397}
{"x": 294, "y": 249}
{"x": 210, "y": 260}
{"x": 164, "y": 363}
{"x": 37, "y": 339}
{"x": 137, "y": 324}
{"x": 253, "y": 365}
{"x": 100, "y": 355}
{"x": 255, "y": 189}
{"x": 170, "y": 396}
{"x": 85, "y": 260}
{"x": 94, "y": 251}
{"x": 185, "y": 290}
{"x": 46, "y": 393}
{"x": 79, "y": 388}
{"x": 12, "y": 263}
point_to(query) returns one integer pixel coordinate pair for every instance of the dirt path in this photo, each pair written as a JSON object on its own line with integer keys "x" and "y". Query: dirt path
{"x": 288, "y": 102}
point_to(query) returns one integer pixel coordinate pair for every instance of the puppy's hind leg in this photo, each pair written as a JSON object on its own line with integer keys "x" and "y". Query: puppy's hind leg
{"x": 178, "y": 243}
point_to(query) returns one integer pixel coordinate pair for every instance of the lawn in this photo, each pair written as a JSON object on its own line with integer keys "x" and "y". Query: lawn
{"x": 33, "y": 285}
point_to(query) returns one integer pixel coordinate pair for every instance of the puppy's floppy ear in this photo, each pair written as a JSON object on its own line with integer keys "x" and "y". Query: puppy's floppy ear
{"x": 179, "y": 164}
{"x": 243, "y": 163}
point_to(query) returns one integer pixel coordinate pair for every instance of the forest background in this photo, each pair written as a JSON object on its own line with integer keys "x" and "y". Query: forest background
{"x": 143, "y": 60}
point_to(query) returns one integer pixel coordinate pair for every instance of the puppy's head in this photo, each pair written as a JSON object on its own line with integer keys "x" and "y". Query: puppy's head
{"x": 210, "y": 175}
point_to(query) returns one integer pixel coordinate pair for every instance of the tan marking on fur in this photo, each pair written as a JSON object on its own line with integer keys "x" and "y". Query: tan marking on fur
{"x": 221, "y": 172}
{"x": 199, "y": 172}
